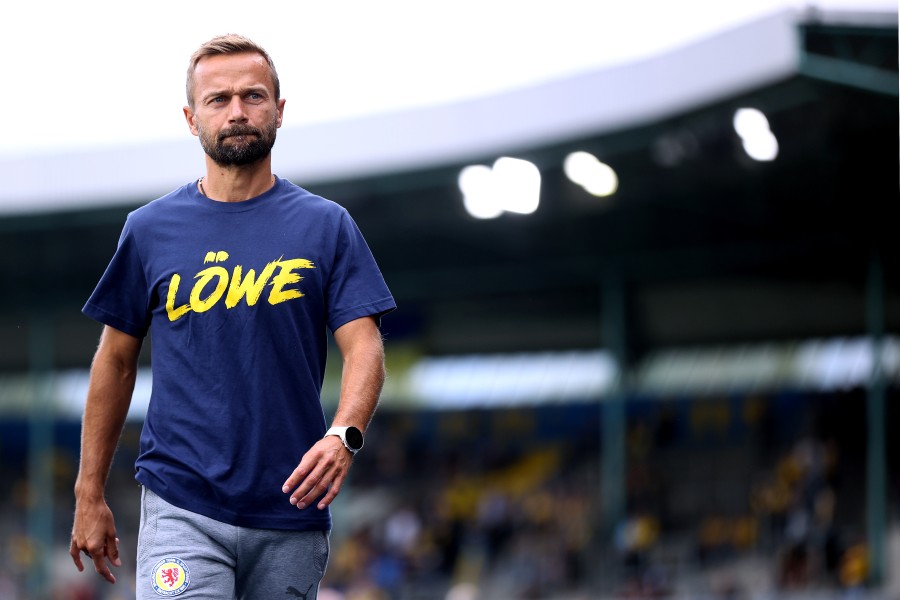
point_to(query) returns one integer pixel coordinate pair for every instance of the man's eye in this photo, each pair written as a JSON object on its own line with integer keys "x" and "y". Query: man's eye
{"x": 255, "y": 96}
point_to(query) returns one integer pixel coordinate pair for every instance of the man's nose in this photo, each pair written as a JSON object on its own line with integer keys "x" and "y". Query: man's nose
{"x": 236, "y": 110}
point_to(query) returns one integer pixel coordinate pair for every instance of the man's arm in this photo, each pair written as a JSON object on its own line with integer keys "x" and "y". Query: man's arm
{"x": 325, "y": 465}
{"x": 112, "y": 379}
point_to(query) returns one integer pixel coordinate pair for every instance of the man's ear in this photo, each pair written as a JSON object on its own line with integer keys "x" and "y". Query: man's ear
{"x": 280, "y": 107}
{"x": 191, "y": 120}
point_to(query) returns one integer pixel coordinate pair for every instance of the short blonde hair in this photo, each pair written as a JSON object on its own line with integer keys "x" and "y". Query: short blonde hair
{"x": 231, "y": 43}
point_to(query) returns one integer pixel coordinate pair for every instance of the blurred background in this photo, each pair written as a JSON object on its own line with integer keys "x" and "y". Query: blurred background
{"x": 646, "y": 261}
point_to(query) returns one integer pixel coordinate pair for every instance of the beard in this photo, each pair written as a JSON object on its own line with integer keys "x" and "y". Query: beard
{"x": 255, "y": 145}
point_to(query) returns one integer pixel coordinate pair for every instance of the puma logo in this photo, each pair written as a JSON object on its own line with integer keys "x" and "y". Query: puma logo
{"x": 292, "y": 591}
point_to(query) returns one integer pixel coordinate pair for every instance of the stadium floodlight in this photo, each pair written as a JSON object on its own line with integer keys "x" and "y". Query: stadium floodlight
{"x": 511, "y": 185}
{"x": 596, "y": 177}
{"x": 518, "y": 183}
{"x": 759, "y": 142}
{"x": 477, "y": 187}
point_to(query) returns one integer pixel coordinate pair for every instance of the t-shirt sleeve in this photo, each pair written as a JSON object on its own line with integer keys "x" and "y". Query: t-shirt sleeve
{"x": 120, "y": 298}
{"x": 355, "y": 287}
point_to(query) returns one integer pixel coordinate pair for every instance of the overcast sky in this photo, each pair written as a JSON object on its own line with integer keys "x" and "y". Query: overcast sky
{"x": 101, "y": 73}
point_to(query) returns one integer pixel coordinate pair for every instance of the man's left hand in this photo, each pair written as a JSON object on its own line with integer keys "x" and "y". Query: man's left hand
{"x": 322, "y": 470}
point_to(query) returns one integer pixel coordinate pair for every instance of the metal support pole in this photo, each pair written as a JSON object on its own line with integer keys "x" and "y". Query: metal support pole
{"x": 40, "y": 456}
{"x": 876, "y": 457}
{"x": 613, "y": 459}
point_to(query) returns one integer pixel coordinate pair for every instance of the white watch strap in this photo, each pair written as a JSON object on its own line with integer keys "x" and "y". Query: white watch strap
{"x": 338, "y": 431}
{"x": 341, "y": 433}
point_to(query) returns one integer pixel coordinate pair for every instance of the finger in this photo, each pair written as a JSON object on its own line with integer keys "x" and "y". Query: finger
{"x": 333, "y": 491}
{"x": 311, "y": 488}
{"x": 112, "y": 551}
{"x": 312, "y": 496}
{"x": 75, "y": 553}
{"x": 298, "y": 489}
{"x": 295, "y": 478}
{"x": 306, "y": 484}
{"x": 327, "y": 489}
{"x": 101, "y": 567}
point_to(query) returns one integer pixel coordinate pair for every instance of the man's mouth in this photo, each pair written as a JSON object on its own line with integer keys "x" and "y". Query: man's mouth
{"x": 236, "y": 134}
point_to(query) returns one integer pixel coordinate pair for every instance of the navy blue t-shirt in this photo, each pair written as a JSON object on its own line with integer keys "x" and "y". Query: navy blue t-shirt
{"x": 236, "y": 298}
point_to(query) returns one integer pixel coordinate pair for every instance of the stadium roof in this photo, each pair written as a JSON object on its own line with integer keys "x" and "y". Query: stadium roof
{"x": 731, "y": 63}
{"x": 702, "y": 244}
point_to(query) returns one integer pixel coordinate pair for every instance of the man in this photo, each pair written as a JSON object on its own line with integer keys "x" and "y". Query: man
{"x": 236, "y": 277}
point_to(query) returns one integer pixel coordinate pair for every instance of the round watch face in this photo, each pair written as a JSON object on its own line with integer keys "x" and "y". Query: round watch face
{"x": 354, "y": 438}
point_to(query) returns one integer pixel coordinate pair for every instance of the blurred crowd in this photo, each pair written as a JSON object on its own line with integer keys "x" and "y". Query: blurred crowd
{"x": 519, "y": 528}
{"x": 494, "y": 505}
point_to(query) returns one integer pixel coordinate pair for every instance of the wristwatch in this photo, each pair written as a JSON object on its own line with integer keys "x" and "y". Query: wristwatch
{"x": 351, "y": 437}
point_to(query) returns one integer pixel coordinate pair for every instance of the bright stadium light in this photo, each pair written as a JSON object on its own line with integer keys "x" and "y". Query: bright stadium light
{"x": 762, "y": 148}
{"x": 512, "y": 185}
{"x": 477, "y": 186}
{"x": 518, "y": 184}
{"x": 596, "y": 177}
{"x": 758, "y": 140}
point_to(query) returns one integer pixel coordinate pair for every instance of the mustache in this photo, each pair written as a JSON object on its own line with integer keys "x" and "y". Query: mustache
{"x": 238, "y": 130}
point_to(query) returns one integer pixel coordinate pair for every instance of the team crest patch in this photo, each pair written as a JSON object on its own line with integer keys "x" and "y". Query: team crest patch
{"x": 170, "y": 577}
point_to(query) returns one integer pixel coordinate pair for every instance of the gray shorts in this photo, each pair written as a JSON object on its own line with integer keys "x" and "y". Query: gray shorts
{"x": 181, "y": 553}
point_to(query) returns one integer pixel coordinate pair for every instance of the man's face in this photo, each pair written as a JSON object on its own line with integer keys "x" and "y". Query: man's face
{"x": 235, "y": 111}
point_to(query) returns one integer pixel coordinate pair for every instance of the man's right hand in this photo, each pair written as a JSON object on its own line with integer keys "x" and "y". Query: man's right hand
{"x": 94, "y": 534}
{"x": 113, "y": 374}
